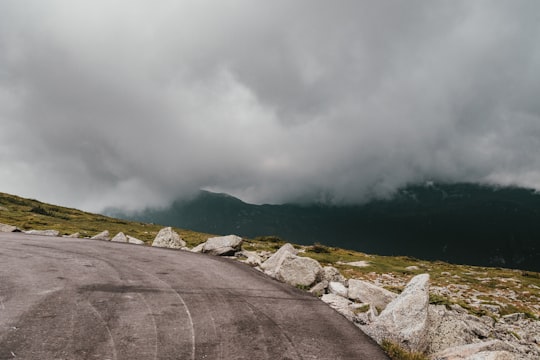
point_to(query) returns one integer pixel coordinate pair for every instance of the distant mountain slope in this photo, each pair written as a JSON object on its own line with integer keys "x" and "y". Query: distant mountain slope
{"x": 460, "y": 223}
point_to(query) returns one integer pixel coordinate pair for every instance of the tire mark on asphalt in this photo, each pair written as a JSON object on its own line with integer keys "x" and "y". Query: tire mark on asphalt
{"x": 255, "y": 310}
{"x": 107, "y": 326}
{"x": 216, "y": 334}
{"x": 122, "y": 276}
{"x": 112, "y": 266}
{"x": 154, "y": 325}
{"x": 190, "y": 318}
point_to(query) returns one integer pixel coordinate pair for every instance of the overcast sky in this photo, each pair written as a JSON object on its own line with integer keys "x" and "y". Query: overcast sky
{"x": 134, "y": 103}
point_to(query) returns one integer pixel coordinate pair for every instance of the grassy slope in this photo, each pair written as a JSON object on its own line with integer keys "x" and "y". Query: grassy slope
{"x": 514, "y": 290}
{"x": 31, "y": 214}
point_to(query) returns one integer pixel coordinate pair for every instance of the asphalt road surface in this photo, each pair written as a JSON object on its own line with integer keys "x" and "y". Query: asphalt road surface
{"x": 88, "y": 299}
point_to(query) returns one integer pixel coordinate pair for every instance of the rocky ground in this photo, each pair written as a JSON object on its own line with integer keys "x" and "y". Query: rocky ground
{"x": 462, "y": 313}
{"x": 412, "y": 318}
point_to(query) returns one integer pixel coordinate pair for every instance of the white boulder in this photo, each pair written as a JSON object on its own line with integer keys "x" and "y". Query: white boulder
{"x": 299, "y": 271}
{"x": 168, "y": 238}
{"x": 120, "y": 237}
{"x": 366, "y": 292}
{"x": 405, "y": 320}
{"x": 104, "y": 235}
{"x": 133, "y": 240}
{"x": 43, "y": 232}
{"x": 223, "y": 245}
{"x": 272, "y": 264}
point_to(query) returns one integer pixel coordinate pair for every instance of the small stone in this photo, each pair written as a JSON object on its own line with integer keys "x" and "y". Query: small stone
{"x": 9, "y": 228}
{"x": 133, "y": 240}
{"x": 43, "y": 232}
{"x": 104, "y": 235}
{"x": 338, "y": 289}
{"x": 319, "y": 289}
{"x": 340, "y": 304}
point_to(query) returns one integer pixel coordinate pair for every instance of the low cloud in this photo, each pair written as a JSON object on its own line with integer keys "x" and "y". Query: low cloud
{"x": 134, "y": 103}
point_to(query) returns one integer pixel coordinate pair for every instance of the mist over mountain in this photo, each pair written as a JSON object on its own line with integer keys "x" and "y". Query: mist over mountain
{"x": 459, "y": 223}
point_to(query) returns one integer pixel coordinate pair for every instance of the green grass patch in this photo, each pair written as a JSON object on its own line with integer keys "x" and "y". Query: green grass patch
{"x": 435, "y": 299}
{"x": 395, "y": 352}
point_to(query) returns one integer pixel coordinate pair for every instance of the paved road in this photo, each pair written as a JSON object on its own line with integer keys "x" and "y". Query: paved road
{"x": 87, "y": 299}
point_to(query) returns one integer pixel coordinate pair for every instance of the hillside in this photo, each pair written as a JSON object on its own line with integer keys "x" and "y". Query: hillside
{"x": 29, "y": 214}
{"x": 459, "y": 223}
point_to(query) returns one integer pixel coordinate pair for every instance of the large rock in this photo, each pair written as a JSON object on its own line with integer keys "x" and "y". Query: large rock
{"x": 120, "y": 237}
{"x": 450, "y": 328}
{"x": 9, "y": 228}
{"x": 299, "y": 271}
{"x": 223, "y": 245}
{"x": 168, "y": 238}
{"x": 368, "y": 293}
{"x": 272, "y": 264}
{"x": 43, "y": 232}
{"x": 104, "y": 235}
{"x": 405, "y": 320}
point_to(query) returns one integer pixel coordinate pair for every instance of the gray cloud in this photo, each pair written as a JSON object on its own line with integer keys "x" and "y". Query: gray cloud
{"x": 134, "y": 103}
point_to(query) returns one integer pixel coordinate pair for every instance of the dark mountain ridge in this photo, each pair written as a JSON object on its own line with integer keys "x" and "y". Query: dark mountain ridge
{"x": 459, "y": 223}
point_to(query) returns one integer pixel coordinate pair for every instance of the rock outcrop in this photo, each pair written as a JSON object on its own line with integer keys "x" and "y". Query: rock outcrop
{"x": 405, "y": 320}
{"x": 168, "y": 238}
{"x": 104, "y": 235}
{"x": 454, "y": 327}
